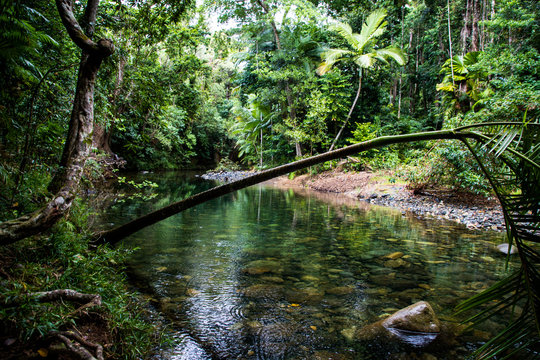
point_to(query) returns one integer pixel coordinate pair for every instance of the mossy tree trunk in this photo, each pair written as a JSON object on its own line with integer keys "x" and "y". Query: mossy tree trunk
{"x": 79, "y": 139}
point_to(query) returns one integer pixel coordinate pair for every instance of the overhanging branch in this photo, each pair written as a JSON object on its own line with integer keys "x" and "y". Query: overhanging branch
{"x": 122, "y": 231}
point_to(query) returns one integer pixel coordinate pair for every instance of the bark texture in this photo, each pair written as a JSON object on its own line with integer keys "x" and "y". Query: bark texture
{"x": 79, "y": 140}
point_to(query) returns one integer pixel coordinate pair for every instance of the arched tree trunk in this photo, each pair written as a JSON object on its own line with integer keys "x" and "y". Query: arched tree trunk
{"x": 79, "y": 139}
{"x": 122, "y": 231}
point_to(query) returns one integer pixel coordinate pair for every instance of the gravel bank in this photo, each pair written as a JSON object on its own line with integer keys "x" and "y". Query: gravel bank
{"x": 474, "y": 216}
{"x": 473, "y": 211}
{"x": 227, "y": 176}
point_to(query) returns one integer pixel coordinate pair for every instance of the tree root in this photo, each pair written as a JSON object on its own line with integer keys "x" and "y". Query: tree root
{"x": 74, "y": 343}
{"x": 77, "y": 345}
{"x": 68, "y": 295}
{"x": 89, "y": 300}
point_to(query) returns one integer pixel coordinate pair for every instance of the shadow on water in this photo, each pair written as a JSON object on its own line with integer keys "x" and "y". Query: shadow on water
{"x": 266, "y": 273}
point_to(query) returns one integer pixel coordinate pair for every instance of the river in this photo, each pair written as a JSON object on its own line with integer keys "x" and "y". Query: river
{"x": 267, "y": 273}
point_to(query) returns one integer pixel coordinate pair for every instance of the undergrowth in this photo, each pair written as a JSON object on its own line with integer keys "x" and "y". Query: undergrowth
{"x": 63, "y": 260}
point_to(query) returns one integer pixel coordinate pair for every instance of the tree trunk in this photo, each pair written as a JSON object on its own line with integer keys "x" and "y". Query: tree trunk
{"x": 78, "y": 142}
{"x": 102, "y": 135}
{"x": 350, "y": 111}
{"x": 288, "y": 93}
{"x": 465, "y": 31}
{"x": 474, "y": 26}
{"x": 450, "y": 45}
{"x": 122, "y": 231}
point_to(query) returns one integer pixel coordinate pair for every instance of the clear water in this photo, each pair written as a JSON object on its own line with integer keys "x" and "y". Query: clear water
{"x": 266, "y": 273}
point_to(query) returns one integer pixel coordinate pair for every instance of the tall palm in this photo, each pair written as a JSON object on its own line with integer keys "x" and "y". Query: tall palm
{"x": 364, "y": 53}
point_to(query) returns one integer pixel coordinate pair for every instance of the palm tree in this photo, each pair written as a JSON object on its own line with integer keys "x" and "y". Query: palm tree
{"x": 364, "y": 53}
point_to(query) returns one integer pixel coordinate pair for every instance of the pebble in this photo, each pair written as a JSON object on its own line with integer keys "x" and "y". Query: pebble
{"x": 227, "y": 176}
{"x": 473, "y": 217}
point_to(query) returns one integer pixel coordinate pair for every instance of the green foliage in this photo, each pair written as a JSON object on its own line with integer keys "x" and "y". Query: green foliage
{"x": 515, "y": 150}
{"x": 63, "y": 260}
{"x": 375, "y": 158}
{"x": 226, "y": 164}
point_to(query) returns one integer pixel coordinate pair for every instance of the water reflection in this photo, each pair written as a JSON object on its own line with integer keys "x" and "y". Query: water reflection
{"x": 270, "y": 274}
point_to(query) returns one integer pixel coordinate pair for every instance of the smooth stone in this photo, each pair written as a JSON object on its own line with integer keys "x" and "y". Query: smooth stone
{"x": 415, "y": 325}
{"x": 259, "y": 267}
{"x": 340, "y": 290}
{"x": 264, "y": 291}
{"x": 310, "y": 278}
{"x": 425, "y": 286}
{"x": 395, "y": 255}
{"x": 383, "y": 279}
{"x": 275, "y": 279}
{"x": 305, "y": 296}
{"x": 377, "y": 291}
{"x": 504, "y": 249}
{"x": 335, "y": 271}
{"x": 418, "y": 317}
{"x": 396, "y": 263}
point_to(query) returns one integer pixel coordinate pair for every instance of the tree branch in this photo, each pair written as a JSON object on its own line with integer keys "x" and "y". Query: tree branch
{"x": 104, "y": 47}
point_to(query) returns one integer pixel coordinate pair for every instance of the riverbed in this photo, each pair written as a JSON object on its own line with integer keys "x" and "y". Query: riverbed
{"x": 268, "y": 273}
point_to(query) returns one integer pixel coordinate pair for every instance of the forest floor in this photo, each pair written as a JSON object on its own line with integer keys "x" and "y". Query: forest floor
{"x": 380, "y": 188}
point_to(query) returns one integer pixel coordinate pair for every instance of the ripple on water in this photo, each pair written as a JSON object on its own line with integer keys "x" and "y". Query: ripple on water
{"x": 290, "y": 277}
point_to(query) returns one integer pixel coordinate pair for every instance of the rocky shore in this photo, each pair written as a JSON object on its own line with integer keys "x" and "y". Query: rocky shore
{"x": 226, "y": 176}
{"x": 473, "y": 211}
{"x": 487, "y": 216}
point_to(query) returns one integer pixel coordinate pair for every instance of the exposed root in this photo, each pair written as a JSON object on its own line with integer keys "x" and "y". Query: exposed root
{"x": 68, "y": 295}
{"x": 89, "y": 300}
{"x": 78, "y": 346}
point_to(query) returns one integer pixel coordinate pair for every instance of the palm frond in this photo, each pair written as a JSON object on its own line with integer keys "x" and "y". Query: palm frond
{"x": 373, "y": 27}
{"x": 346, "y": 32}
{"x": 395, "y": 53}
{"x": 330, "y": 57}
{"x": 509, "y": 155}
{"x": 364, "y": 61}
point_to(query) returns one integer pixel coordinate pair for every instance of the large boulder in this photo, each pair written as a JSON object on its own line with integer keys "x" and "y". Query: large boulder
{"x": 416, "y": 325}
{"x": 418, "y": 317}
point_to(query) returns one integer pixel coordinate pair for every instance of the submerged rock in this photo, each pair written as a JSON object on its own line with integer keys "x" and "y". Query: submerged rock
{"x": 264, "y": 291}
{"x": 395, "y": 255}
{"x": 259, "y": 267}
{"x": 418, "y": 317}
{"x": 340, "y": 290}
{"x": 396, "y": 263}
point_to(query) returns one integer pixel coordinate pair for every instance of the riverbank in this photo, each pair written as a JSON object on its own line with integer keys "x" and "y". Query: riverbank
{"x": 473, "y": 211}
